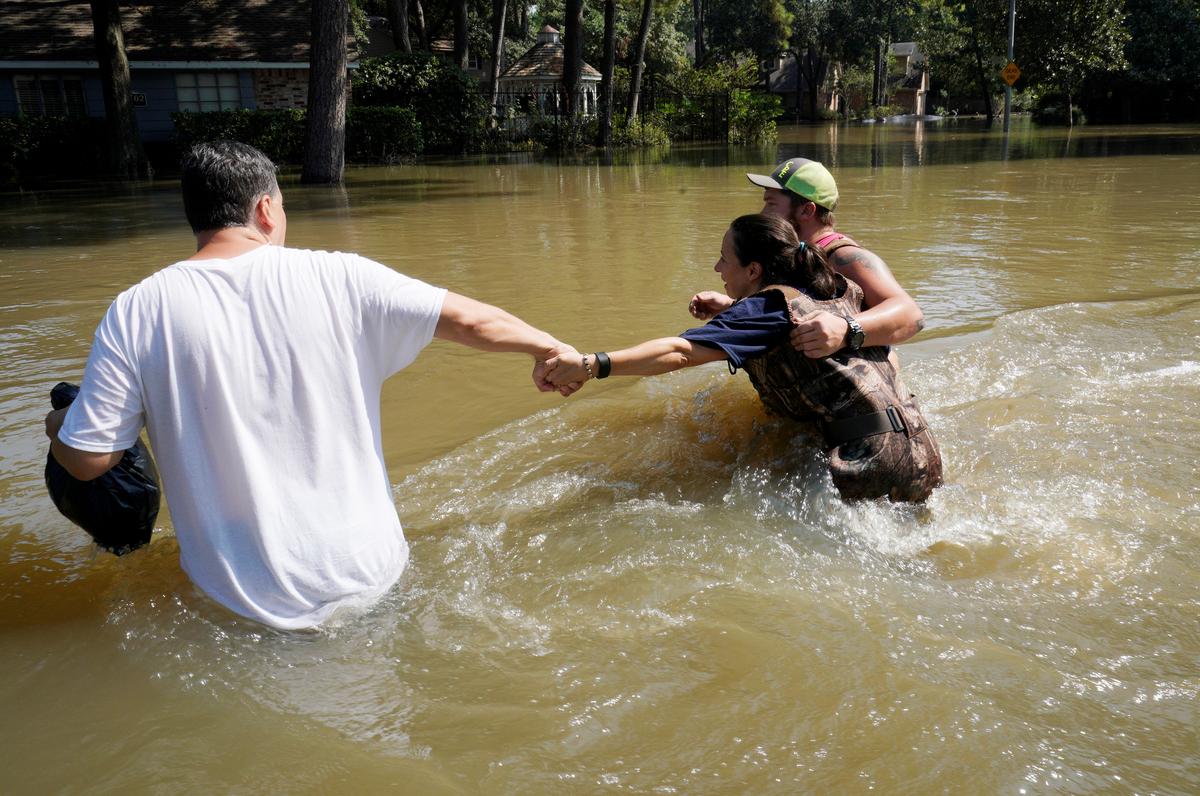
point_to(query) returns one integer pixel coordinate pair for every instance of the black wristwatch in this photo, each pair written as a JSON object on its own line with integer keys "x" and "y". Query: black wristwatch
{"x": 855, "y": 336}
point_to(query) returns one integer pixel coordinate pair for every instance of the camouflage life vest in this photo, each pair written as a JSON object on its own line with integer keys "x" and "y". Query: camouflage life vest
{"x": 878, "y": 441}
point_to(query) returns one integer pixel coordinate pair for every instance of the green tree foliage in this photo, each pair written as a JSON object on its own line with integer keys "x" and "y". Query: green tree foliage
{"x": 1063, "y": 41}
{"x": 750, "y": 113}
{"x": 964, "y": 41}
{"x": 447, "y": 101}
{"x": 1164, "y": 41}
{"x": 758, "y": 27}
{"x": 665, "y": 49}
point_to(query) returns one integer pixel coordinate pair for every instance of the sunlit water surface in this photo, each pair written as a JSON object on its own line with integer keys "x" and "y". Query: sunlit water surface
{"x": 652, "y": 587}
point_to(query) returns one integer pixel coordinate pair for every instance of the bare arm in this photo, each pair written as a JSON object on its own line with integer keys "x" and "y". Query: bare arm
{"x": 891, "y": 316}
{"x": 478, "y": 325}
{"x": 82, "y": 465}
{"x": 645, "y": 359}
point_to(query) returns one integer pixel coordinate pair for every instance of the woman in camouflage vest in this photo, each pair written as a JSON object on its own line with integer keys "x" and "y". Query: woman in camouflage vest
{"x": 877, "y": 440}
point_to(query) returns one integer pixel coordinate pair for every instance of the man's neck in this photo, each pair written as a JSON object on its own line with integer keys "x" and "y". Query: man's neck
{"x": 815, "y": 232}
{"x": 225, "y": 244}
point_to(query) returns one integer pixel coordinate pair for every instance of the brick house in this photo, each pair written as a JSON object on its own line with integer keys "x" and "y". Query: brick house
{"x": 184, "y": 55}
{"x": 908, "y": 76}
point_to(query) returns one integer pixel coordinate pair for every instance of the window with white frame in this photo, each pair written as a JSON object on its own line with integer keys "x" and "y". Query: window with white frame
{"x": 208, "y": 91}
{"x": 50, "y": 95}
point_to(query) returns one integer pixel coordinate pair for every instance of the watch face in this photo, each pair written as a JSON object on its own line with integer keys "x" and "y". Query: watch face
{"x": 855, "y": 336}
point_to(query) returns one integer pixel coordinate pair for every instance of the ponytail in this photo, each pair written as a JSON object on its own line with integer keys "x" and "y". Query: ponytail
{"x": 785, "y": 259}
{"x": 812, "y": 269}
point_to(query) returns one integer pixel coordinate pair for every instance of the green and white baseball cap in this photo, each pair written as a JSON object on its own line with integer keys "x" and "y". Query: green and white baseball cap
{"x": 801, "y": 176}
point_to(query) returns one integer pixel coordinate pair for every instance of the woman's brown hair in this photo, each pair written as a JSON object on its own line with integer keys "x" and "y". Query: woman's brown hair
{"x": 771, "y": 242}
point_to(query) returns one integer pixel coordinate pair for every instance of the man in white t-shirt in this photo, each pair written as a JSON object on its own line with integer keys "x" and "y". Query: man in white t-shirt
{"x": 257, "y": 371}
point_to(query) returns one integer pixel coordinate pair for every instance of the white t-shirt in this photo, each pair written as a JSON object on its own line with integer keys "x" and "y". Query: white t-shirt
{"x": 258, "y": 379}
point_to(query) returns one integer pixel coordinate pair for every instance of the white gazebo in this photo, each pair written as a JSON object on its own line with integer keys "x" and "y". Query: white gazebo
{"x": 533, "y": 83}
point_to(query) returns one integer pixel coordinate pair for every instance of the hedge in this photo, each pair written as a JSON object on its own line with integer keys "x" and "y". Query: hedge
{"x": 373, "y": 135}
{"x": 56, "y": 146}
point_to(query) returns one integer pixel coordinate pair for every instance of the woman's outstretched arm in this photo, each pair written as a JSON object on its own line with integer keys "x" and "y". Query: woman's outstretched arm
{"x": 645, "y": 359}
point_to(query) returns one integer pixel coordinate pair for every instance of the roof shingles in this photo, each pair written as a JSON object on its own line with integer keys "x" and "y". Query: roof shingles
{"x": 160, "y": 30}
{"x": 543, "y": 60}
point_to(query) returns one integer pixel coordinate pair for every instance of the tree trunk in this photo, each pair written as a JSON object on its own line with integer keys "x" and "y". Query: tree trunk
{"x": 604, "y": 128}
{"x": 981, "y": 74}
{"x": 398, "y": 17}
{"x": 499, "y": 12}
{"x": 814, "y": 75}
{"x": 461, "y": 48}
{"x": 880, "y": 93}
{"x": 698, "y": 13}
{"x": 639, "y": 57}
{"x": 522, "y": 11}
{"x": 422, "y": 31}
{"x": 325, "y": 146}
{"x": 126, "y": 159}
{"x": 572, "y": 54}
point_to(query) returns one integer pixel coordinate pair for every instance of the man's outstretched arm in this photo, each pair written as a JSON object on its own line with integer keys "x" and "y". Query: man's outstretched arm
{"x": 472, "y": 323}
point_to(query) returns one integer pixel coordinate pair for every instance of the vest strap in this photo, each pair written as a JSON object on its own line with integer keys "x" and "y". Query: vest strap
{"x": 837, "y": 244}
{"x": 839, "y": 432}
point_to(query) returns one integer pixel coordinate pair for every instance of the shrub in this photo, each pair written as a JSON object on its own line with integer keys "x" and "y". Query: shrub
{"x": 446, "y": 100}
{"x": 373, "y": 135}
{"x": 752, "y": 117}
{"x": 881, "y": 112}
{"x": 1051, "y": 109}
{"x": 752, "y": 114}
{"x": 693, "y": 116}
{"x": 382, "y": 135}
{"x": 53, "y": 146}
{"x": 554, "y": 133}
{"x": 645, "y": 132}
{"x": 279, "y": 134}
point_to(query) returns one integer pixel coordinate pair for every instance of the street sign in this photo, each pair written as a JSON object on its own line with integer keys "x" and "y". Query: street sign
{"x": 1010, "y": 73}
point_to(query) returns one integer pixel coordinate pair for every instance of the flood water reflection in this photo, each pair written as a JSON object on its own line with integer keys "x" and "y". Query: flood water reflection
{"x": 651, "y": 587}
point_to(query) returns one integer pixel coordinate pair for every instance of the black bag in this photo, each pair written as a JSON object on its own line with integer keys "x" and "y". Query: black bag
{"x": 119, "y": 508}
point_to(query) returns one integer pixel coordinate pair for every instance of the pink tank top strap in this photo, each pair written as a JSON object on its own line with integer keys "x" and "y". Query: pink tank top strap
{"x": 830, "y": 238}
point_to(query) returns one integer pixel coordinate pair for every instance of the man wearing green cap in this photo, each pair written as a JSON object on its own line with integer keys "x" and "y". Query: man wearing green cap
{"x": 804, "y": 192}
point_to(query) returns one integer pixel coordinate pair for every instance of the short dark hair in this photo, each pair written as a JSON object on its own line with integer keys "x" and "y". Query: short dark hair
{"x": 824, "y": 214}
{"x": 222, "y": 181}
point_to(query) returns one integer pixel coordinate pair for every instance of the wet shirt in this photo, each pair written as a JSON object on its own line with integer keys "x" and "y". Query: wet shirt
{"x": 748, "y": 329}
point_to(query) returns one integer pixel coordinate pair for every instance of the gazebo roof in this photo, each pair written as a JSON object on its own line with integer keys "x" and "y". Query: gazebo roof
{"x": 544, "y": 61}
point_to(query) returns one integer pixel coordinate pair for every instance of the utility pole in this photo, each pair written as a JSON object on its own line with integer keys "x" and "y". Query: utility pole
{"x": 1012, "y": 32}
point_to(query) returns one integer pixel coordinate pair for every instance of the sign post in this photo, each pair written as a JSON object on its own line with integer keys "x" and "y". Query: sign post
{"x": 1010, "y": 72}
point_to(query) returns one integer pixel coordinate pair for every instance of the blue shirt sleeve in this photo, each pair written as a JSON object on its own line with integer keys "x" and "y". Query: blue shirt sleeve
{"x": 748, "y": 329}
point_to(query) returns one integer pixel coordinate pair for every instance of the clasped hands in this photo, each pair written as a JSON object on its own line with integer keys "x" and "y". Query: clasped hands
{"x": 560, "y": 370}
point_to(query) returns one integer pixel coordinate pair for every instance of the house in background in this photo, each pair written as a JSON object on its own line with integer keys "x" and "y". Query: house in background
{"x": 790, "y": 85}
{"x": 184, "y": 55}
{"x": 908, "y": 77}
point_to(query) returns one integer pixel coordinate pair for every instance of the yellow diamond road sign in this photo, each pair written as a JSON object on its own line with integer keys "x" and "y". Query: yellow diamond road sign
{"x": 1010, "y": 73}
